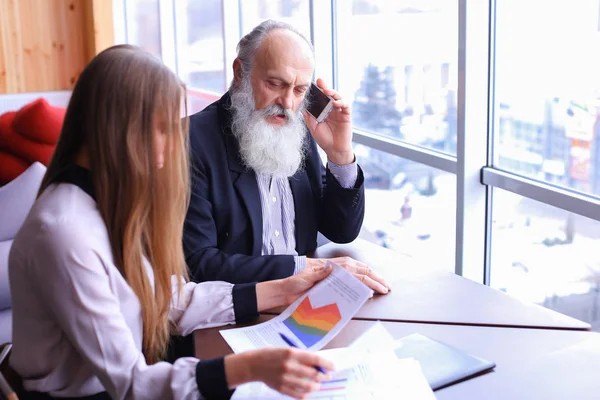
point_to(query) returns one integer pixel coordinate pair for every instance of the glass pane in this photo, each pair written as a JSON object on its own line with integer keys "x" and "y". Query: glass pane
{"x": 548, "y": 91}
{"x": 410, "y": 207}
{"x": 143, "y": 24}
{"x": 546, "y": 255}
{"x": 400, "y": 68}
{"x": 200, "y": 57}
{"x": 294, "y": 12}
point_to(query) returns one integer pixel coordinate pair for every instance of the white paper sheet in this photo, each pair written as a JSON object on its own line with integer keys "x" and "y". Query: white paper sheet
{"x": 375, "y": 338}
{"x": 311, "y": 321}
{"x": 366, "y": 370}
{"x": 382, "y": 376}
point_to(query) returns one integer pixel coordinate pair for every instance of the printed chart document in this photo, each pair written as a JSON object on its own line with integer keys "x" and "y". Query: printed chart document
{"x": 367, "y": 370}
{"x": 311, "y": 321}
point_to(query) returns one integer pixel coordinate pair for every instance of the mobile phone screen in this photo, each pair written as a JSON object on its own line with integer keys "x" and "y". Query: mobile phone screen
{"x": 317, "y": 101}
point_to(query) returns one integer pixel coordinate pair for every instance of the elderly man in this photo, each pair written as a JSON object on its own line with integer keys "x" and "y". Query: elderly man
{"x": 260, "y": 193}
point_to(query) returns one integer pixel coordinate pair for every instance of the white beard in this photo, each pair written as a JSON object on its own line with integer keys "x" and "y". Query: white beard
{"x": 272, "y": 150}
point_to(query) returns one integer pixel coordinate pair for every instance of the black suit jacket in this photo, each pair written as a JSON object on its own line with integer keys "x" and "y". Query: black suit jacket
{"x": 223, "y": 227}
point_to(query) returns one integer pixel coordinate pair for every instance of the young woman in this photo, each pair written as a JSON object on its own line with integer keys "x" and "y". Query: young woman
{"x": 97, "y": 272}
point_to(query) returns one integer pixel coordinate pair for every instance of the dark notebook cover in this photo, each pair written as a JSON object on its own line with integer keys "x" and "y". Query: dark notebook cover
{"x": 442, "y": 364}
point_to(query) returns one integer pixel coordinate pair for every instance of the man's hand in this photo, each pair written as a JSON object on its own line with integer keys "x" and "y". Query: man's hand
{"x": 360, "y": 270}
{"x": 334, "y": 135}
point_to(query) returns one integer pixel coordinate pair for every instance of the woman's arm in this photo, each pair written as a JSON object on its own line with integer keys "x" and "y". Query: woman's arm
{"x": 210, "y": 304}
{"x": 73, "y": 283}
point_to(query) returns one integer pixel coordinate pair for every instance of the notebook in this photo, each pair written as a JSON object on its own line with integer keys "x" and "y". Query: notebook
{"x": 442, "y": 364}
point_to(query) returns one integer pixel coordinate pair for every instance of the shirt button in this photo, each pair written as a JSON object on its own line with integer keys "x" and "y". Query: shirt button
{"x": 276, "y": 233}
{"x": 274, "y": 199}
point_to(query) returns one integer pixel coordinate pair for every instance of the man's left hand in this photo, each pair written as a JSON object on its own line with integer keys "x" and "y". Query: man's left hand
{"x": 360, "y": 270}
{"x": 334, "y": 135}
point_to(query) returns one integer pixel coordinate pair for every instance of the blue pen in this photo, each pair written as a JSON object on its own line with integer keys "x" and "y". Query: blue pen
{"x": 289, "y": 341}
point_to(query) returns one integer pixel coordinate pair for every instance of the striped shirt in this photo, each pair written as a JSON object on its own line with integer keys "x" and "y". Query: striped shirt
{"x": 277, "y": 204}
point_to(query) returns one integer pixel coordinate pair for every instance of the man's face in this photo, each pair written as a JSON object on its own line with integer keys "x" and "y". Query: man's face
{"x": 281, "y": 74}
{"x": 266, "y": 105}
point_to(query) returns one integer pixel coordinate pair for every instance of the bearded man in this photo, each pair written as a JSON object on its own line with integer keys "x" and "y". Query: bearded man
{"x": 260, "y": 192}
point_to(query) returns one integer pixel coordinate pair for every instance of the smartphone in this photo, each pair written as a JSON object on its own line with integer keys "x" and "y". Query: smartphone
{"x": 319, "y": 104}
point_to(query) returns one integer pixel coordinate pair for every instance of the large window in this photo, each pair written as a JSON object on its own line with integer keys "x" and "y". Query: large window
{"x": 143, "y": 24}
{"x": 477, "y": 124}
{"x": 403, "y": 84}
{"x": 295, "y": 12}
{"x": 547, "y": 91}
{"x": 200, "y": 50}
{"x": 200, "y": 54}
{"x": 546, "y": 127}
{"x": 546, "y": 255}
{"x": 410, "y": 207}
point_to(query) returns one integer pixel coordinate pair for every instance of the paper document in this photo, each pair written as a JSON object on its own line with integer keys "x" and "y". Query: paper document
{"x": 376, "y": 338}
{"x": 366, "y": 370}
{"x": 311, "y": 321}
{"x": 382, "y": 376}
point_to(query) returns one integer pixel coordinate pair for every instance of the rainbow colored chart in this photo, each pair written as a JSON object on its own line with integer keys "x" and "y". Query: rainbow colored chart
{"x": 311, "y": 324}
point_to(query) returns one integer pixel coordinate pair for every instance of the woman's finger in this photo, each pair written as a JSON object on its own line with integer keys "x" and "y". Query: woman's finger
{"x": 313, "y": 360}
{"x": 298, "y": 387}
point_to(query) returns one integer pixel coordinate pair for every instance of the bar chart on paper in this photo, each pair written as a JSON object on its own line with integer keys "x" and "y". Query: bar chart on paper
{"x": 335, "y": 389}
{"x": 311, "y": 324}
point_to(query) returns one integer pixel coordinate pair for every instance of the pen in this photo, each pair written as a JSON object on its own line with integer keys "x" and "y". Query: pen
{"x": 289, "y": 341}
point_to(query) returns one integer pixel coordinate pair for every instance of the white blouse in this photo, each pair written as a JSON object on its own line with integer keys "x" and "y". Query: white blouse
{"x": 77, "y": 325}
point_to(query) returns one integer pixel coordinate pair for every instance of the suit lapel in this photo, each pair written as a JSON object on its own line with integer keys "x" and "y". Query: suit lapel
{"x": 244, "y": 180}
{"x": 301, "y": 193}
{"x": 247, "y": 189}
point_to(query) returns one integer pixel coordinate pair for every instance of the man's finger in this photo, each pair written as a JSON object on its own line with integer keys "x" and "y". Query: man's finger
{"x": 362, "y": 268}
{"x": 319, "y": 273}
{"x": 376, "y": 286}
{"x": 377, "y": 278}
{"x": 350, "y": 268}
{"x": 327, "y": 90}
{"x": 341, "y": 104}
{"x": 309, "y": 121}
{"x": 341, "y": 260}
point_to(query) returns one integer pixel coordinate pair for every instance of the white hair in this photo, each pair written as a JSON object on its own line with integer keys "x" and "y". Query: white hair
{"x": 249, "y": 44}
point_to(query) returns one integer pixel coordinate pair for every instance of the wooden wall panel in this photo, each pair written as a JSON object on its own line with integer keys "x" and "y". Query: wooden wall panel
{"x": 99, "y": 26}
{"x": 45, "y": 44}
{"x": 11, "y": 60}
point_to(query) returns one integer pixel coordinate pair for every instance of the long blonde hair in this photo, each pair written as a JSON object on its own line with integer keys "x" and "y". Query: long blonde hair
{"x": 122, "y": 96}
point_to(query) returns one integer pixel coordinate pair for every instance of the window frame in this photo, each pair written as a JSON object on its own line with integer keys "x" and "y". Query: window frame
{"x": 473, "y": 164}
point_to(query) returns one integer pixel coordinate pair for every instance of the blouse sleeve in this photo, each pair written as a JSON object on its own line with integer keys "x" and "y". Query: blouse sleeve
{"x": 210, "y": 304}
{"x": 74, "y": 284}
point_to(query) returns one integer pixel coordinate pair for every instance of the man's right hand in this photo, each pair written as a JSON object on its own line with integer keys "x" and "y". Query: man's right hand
{"x": 360, "y": 270}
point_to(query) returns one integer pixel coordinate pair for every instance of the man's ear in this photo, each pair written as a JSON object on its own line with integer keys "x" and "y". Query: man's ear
{"x": 237, "y": 72}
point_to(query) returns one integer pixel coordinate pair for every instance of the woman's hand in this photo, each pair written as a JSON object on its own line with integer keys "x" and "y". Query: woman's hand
{"x": 289, "y": 371}
{"x": 283, "y": 292}
{"x": 296, "y": 285}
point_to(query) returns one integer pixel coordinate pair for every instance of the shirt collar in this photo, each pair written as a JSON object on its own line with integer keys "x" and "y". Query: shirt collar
{"x": 78, "y": 176}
